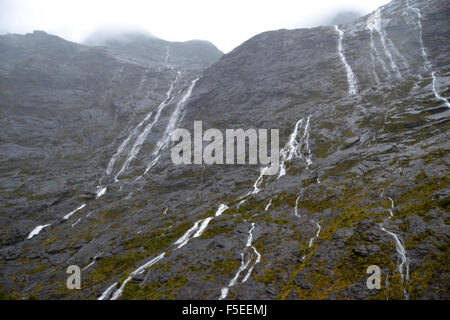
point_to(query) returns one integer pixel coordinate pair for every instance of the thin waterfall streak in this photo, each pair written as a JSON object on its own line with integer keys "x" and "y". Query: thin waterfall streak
{"x": 426, "y": 61}
{"x": 247, "y": 256}
{"x": 296, "y": 206}
{"x": 379, "y": 29}
{"x": 67, "y": 216}
{"x": 258, "y": 260}
{"x": 374, "y": 66}
{"x": 398, "y": 54}
{"x": 123, "y": 145}
{"x": 401, "y": 251}
{"x": 436, "y": 93}
{"x": 268, "y": 205}
{"x": 37, "y": 230}
{"x": 180, "y": 242}
{"x": 297, "y": 146}
{"x": 138, "y": 271}
{"x": 371, "y": 24}
{"x": 143, "y": 135}
{"x": 351, "y": 78}
{"x": 203, "y": 226}
{"x": 258, "y": 182}
{"x": 306, "y": 141}
{"x": 105, "y": 295}
{"x": 164, "y": 141}
{"x": 93, "y": 260}
{"x": 167, "y": 55}
{"x": 186, "y": 236}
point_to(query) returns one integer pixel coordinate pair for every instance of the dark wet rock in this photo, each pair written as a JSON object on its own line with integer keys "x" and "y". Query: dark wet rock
{"x": 343, "y": 233}
{"x": 350, "y": 142}
{"x": 302, "y": 283}
{"x": 359, "y": 291}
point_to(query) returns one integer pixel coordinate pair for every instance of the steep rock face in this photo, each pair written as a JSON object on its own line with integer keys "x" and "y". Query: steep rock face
{"x": 365, "y": 108}
{"x": 65, "y": 108}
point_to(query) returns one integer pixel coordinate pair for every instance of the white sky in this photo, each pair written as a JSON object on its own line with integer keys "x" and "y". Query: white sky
{"x": 226, "y": 23}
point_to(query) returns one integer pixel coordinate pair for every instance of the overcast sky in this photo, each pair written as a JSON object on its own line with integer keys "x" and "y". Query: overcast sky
{"x": 226, "y": 23}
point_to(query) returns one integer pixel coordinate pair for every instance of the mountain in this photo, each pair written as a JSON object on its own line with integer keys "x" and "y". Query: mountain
{"x": 363, "y": 114}
{"x": 344, "y": 17}
{"x": 146, "y": 49}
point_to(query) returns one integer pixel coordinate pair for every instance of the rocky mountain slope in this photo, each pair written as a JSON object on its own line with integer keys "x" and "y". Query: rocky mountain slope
{"x": 363, "y": 115}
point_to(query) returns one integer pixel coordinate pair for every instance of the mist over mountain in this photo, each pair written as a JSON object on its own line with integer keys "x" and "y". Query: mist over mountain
{"x": 144, "y": 48}
{"x": 343, "y": 17}
{"x": 106, "y": 36}
{"x": 362, "y": 108}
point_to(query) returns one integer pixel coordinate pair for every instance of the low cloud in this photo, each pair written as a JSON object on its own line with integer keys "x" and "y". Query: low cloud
{"x": 226, "y": 24}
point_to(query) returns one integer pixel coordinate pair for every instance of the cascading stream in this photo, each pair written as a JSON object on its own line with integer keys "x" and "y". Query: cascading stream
{"x": 294, "y": 146}
{"x": 136, "y": 272}
{"x": 124, "y": 144}
{"x": 37, "y": 230}
{"x": 174, "y": 119}
{"x": 351, "y": 78}
{"x": 143, "y": 135}
{"x": 296, "y": 206}
{"x": 167, "y": 55}
{"x": 436, "y": 93}
{"x": 100, "y": 191}
{"x": 319, "y": 228}
{"x": 247, "y": 256}
{"x": 268, "y": 205}
{"x": 198, "y": 227}
{"x": 379, "y": 29}
{"x": 426, "y": 61}
{"x": 67, "y": 216}
{"x": 373, "y": 49}
{"x": 404, "y": 261}
{"x": 93, "y": 260}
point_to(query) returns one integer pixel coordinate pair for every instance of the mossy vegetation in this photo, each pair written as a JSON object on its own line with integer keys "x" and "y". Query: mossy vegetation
{"x": 166, "y": 290}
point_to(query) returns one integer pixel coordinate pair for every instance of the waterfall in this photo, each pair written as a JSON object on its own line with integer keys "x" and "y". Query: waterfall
{"x": 180, "y": 242}
{"x": 143, "y": 135}
{"x": 351, "y": 79}
{"x": 168, "y": 56}
{"x": 319, "y": 228}
{"x": 37, "y": 230}
{"x": 268, "y": 205}
{"x": 400, "y": 248}
{"x": 373, "y": 49}
{"x": 246, "y": 259}
{"x": 93, "y": 260}
{"x": 124, "y": 144}
{"x": 174, "y": 118}
{"x": 294, "y": 146}
{"x": 199, "y": 227}
{"x": 426, "y": 61}
{"x": 100, "y": 191}
{"x": 436, "y": 93}
{"x": 67, "y": 216}
{"x": 379, "y": 29}
{"x": 296, "y": 206}
{"x": 105, "y": 295}
{"x": 139, "y": 270}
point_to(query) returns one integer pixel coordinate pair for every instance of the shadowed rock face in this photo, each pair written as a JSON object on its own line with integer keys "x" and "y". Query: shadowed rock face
{"x": 374, "y": 193}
